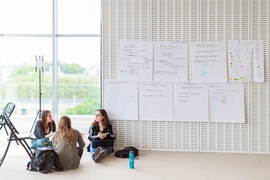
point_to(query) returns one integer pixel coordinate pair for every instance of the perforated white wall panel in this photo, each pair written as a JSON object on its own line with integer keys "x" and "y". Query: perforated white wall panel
{"x": 191, "y": 21}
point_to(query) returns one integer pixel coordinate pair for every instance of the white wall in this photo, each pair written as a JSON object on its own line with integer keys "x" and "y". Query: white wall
{"x": 191, "y": 21}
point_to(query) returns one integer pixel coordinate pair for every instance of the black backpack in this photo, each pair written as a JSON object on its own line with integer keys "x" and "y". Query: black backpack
{"x": 44, "y": 160}
{"x": 124, "y": 153}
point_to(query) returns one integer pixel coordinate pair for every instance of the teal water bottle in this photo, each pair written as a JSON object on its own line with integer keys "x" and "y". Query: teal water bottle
{"x": 131, "y": 159}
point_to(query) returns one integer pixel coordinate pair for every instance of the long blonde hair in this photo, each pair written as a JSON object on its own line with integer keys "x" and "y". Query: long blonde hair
{"x": 64, "y": 128}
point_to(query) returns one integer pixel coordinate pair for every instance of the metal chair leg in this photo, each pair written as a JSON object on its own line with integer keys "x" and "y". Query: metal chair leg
{"x": 5, "y": 153}
{"x": 6, "y": 130}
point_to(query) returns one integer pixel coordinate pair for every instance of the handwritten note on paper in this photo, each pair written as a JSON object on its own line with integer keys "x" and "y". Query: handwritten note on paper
{"x": 135, "y": 60}
{"x": 121, "y": 99}
{"x": 155, "y": 101}
{"x": 227, "y": 102}
{"x": 208, "y": 62}
{"x": 171, "y": 61}
{"x": 191, "y": 102}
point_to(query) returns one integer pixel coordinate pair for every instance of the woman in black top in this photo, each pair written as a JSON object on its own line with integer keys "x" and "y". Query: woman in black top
{"x": 101, "y": 136}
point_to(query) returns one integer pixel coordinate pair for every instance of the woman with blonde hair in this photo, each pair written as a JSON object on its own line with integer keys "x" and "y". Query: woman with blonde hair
{"x": 65, "y": 143}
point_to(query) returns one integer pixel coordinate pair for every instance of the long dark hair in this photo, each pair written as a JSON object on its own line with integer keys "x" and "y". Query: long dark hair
{"x": 44, "y": 115}
{"x": 106, "y": 121}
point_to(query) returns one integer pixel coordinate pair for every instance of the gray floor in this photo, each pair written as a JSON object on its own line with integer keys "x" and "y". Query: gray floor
{"x": 155, "y": 165}
{"x": 149, "y": 165}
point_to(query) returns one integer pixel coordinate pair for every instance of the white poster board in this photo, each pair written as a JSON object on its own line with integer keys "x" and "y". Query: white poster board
{"x": 246, "y": 61}
{"x": 208, "y": 61}
{"x": 155, "y": 101}
{"x": 121, "y": 99}
{"x": 191, "y": 102}
{"x": 170, "y": 61}
{"x": 135, "y": 61}
{"x": 227, "y": 102}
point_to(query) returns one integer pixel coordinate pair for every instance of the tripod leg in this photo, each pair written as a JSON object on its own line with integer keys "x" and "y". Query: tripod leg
{"x": 37, "y": 116}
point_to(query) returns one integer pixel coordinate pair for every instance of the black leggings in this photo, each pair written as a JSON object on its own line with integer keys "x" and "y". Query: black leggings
{"x": 79, "y": 151}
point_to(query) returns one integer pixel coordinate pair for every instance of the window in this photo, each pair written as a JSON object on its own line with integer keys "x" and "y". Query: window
{"x": 26, "y": 16}
{"x": 65, "y": 34}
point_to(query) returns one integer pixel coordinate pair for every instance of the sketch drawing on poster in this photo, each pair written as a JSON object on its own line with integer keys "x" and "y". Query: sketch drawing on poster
{"x": 121, "y": 99}
{"x": 135, "y": 60}
{"x": 170, "y": 61}
{"x": 246, "y": 61}
{"x": 227, "y": 102}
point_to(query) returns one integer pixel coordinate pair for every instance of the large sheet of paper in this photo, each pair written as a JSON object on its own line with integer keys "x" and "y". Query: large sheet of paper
{"x": 246, "y": 62}
{"x": 121, "y": 99}
{"x": 155, "y": 101}
{"x": 191, "y": 102}
{"x": 135, "y": 60}
{"x": 208, "y": 61}
{"x": 227, "y": 102}
{"x": 170, "y": 61}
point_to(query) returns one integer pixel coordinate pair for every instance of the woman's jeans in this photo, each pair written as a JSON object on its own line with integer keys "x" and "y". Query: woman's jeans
{"x": 108, "y": 149}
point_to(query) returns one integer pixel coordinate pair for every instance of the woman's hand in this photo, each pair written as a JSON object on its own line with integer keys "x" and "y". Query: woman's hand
{"x": 49, "y": 135}
{"x": 102, "y": 135}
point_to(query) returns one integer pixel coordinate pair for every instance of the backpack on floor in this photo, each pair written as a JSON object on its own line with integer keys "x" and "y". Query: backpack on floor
{"x": 44, "y": 160}
{"x": 124, "y": 153}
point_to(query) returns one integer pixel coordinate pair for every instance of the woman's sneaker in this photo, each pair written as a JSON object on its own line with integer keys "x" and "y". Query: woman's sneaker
{"x": 96, "y": 154}
{"x": 102, "y": 155}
